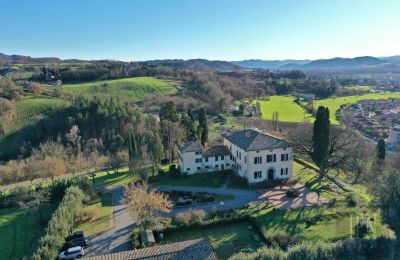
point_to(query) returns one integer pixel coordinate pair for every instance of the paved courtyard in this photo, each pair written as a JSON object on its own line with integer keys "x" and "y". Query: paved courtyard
{"x": 277, "y": 197}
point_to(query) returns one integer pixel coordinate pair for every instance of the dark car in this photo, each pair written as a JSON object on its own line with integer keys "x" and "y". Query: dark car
{"x": 77, "y": 234}
{"x": 79, "y": 241}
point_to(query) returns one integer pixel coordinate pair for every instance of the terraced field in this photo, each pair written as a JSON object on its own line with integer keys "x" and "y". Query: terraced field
{"x": 288, "y": 110}
{"x": 137, "y": 88}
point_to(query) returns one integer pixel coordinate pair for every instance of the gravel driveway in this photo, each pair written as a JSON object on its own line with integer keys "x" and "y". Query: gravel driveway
{"x": 116, "y": 239}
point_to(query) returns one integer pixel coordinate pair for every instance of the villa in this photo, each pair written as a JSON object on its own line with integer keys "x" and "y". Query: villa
{"x": 252, "y": 154}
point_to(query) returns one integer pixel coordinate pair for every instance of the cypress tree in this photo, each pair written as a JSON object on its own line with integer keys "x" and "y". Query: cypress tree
{"x": 203, "y": 127}
{"x": 321, "y": 139}
{"x": 381, "y": 149}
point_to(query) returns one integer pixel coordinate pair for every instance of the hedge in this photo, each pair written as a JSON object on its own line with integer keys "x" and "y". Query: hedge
{"x": 349, "y": 249}
{"x": 60, "y": 224}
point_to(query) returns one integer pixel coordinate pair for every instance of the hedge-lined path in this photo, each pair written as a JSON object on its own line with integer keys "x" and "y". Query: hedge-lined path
{"x": 117, "y": 238}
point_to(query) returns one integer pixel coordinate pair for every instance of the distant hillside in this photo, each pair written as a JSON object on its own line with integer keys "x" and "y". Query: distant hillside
{"x": 19, "y": 59}
{"x": 359, "y": 64}
{"x": 268, "y": 64}
{"x": 200, "y": 64}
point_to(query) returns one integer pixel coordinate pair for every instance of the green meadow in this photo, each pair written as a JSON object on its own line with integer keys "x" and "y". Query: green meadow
{"x": 137, "y": 88}
{"x": 29, "y": 110}
{"x": 288, "y": 110}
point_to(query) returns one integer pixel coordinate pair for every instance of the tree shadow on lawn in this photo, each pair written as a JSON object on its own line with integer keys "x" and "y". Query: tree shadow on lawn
{"x": 289, "y": 221}
{"x": 113, "y": 178}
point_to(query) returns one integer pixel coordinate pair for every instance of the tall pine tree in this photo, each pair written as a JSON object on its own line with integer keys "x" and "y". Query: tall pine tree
{"x": 321, "y": 139}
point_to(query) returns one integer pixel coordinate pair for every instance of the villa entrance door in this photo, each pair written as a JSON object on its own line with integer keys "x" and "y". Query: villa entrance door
{"x": 271, "y": 174}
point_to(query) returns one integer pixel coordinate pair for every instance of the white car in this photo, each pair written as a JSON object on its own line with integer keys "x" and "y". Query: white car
{"x": 72, "y": 253}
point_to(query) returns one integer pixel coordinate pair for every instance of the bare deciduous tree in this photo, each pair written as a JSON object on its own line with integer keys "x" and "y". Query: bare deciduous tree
{"x": 147, "y": 204}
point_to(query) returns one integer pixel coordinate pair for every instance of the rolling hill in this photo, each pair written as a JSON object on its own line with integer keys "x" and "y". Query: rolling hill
{"x": 137, "y": 88}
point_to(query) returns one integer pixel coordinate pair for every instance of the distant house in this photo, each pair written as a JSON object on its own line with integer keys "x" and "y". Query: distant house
{"x": 197, "y": 249}
{"x": 393, "y": 139}
{"x": 252, "y": 154}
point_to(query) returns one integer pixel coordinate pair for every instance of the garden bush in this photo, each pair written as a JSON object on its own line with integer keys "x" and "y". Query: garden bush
{"x": 87, "y": 214}
{"x": 190, "y": 216}
{"x": 361, "y": 229}
{"x": 351, "y": 201}
{"x": 135, "y": 238}
{"x": 60, "y": 224}
{"x": 291, "y": 193}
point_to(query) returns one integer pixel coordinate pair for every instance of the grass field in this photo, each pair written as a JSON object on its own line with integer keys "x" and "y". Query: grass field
{"x": 288, "y": 110}
{"x": 226, "y": 240}
{"x": 137, "y": 88}
{"x": 103, "y": 218}
{"x": 28, "y": 110}
{"x": 334, "y": 103}
{"x": 19, "y": 232}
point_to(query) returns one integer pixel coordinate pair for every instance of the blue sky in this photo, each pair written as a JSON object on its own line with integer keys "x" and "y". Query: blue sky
{"x": 213, "y": 29}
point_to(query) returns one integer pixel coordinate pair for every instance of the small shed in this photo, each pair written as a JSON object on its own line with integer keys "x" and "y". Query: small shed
{"x": 147, "y": 238}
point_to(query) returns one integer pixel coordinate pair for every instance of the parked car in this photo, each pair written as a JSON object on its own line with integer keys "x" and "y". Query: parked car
{"x": 72, "y": 253}
{"x": 79, "y": 241}
{"x": 77, "y": 234}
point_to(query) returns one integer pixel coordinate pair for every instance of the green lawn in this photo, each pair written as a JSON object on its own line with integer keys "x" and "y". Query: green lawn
{"x": 137, "y": 88}
{"x": 334, "y": 103}
{"x": 335, "y": 222}
{"x": 226, "y": 240}
{"x": 102, "y": 179}
{"x": 103, "y": 220}
{"x": 19, "y": 231}
{"x": 288, "y": 110}
{"x": 199, "y": 180}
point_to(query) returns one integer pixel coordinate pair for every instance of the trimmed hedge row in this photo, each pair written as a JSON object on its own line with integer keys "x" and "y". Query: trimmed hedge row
{"x": 349, "y": 249}
{"x": 60, "y": 224}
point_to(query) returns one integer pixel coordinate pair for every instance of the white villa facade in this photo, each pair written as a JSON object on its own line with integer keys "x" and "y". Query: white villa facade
{"x": 252, "y": 154}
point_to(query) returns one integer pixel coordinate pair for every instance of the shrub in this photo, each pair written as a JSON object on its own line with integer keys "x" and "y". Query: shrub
{"x": 351, "y": 201}
{"x": 60, "y": 224}
{"x": 265, "y": 253}
{"x": 135, "y": 237}
{"x": 361, "y": 229}
{"x": 291, "y": 193}
{"x": 284, "y": 240}
{"x": 87, "y": 214}
{"x": 380, "y": 248}
{"x": 331, "y": 203}
{"x": 172, "y": 168}
{"x": 313, "y": 220}
{"x": 190, "y": 216}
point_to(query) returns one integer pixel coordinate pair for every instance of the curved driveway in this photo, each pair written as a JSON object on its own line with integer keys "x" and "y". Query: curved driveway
{"x": 117, "y": 238}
